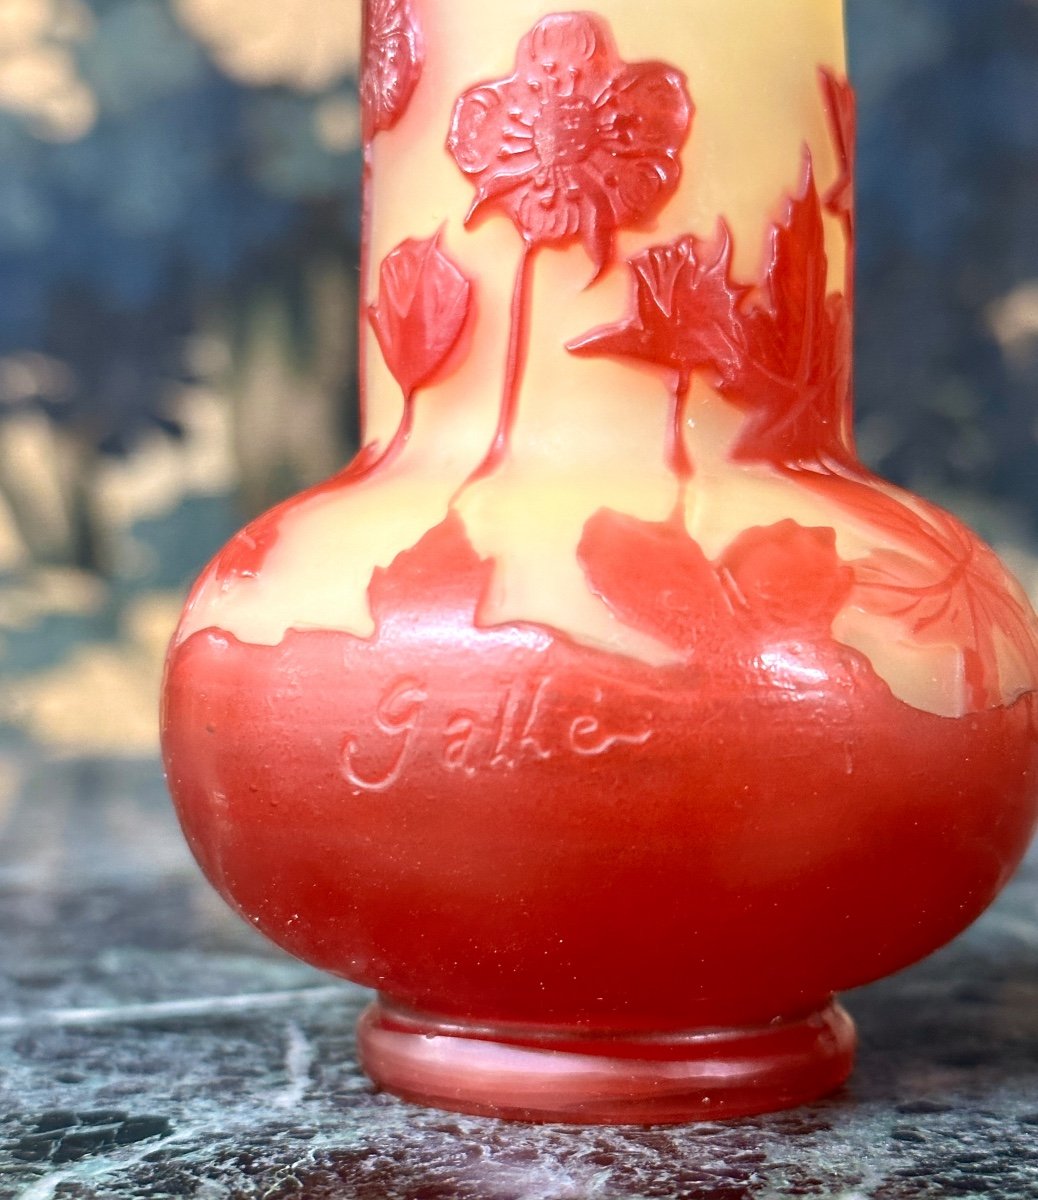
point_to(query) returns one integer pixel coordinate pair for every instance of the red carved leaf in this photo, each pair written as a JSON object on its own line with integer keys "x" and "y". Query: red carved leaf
{"x": 441, "y": 571}
{"x": 423, "y": 303}
{"x": 673, "y": 594}
{"x": 794, "y": 380}
{"x": 392, "y": 63}
{"x": 787, "y": 576}
{"x": 952, "y": 591}
{"x": 772, "y": 583}
{"x": 576, "y": 143}
{"x": 686, "y": 309}
{"x": 841, "y": 109}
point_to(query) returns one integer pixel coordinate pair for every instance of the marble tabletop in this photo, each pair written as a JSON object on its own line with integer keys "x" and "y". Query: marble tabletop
{"x": 152, "y": 1045}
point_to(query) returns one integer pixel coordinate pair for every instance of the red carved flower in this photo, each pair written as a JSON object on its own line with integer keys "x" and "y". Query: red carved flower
{"x": 392, "y": 62}
{"x": 576, "y": 143}
{"x": 423, "y": 303}
{"x": 686, "y": 309}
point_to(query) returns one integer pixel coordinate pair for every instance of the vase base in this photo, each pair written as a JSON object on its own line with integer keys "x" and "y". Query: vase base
{"x": 605, "y": 1080}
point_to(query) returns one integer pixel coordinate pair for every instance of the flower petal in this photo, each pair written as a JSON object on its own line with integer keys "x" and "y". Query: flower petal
{"x": 393, "y": 61}
{"x": 547, "y": 214}
{"x": 566, "y": 40}
{"x": 643, "y": 184}
{"x": 478, "y": 129}
{"x": 647, "y": 110}
{"x": 497, "y": 185}
{"x": 397, "y": 76}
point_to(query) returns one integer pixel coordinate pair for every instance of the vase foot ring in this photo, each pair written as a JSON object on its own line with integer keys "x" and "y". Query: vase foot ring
{"x": 598, "y": 1080}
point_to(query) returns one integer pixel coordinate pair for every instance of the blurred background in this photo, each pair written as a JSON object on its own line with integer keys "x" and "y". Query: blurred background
{"x": 179, "y": 210}
{"x": 179, "y": 220}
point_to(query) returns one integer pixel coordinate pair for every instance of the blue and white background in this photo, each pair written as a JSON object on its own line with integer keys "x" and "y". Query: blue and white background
{"x": 179, "y": 196}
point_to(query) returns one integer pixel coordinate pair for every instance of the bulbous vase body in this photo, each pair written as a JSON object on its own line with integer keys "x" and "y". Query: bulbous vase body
{"x": 606, "y": 716}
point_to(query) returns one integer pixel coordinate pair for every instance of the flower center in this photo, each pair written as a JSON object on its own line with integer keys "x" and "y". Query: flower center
{"x": 564, "y": 131}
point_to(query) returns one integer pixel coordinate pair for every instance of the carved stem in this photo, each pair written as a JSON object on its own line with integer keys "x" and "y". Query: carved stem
{"x": 518, "y": 346}
{"x": 676, "y": 452}
{"x": 403, "y": 433}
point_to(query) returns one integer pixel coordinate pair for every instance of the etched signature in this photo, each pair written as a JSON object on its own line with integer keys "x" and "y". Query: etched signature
{"x": 533, "y": 721}
{"x": 397, "y": 717}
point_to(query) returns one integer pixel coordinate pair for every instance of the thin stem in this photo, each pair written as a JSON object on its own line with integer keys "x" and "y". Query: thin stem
{"x": 676, "y": 452}
{"x": 677, "y": 457}
{"x": 403, "y": 432}
{"x": 515, "y": 364}
{"x": 369, "y": 460}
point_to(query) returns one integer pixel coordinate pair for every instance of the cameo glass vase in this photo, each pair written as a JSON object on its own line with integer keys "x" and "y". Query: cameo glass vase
{"x": 606, "y": 716}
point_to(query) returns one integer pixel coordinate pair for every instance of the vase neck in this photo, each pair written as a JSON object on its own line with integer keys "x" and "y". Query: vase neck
{"x": 577, "y": 225}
